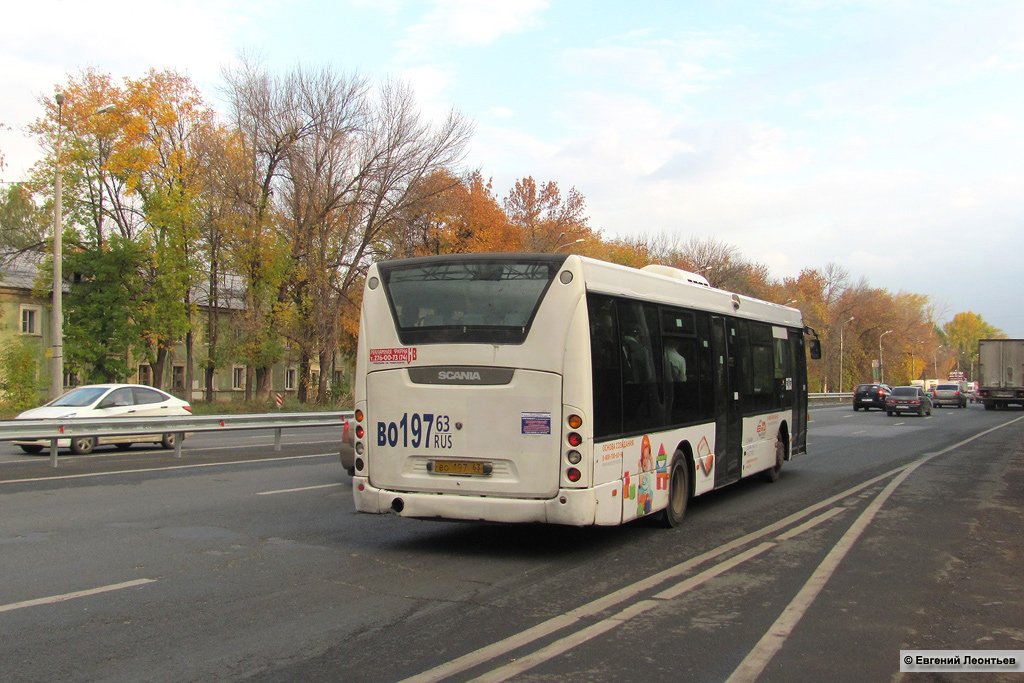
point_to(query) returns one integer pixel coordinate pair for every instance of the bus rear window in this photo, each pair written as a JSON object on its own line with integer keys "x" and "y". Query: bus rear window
{"x": 466, "y": 300}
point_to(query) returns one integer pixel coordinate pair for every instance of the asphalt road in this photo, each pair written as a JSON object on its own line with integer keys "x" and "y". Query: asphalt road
{"x": 892, "y": 533}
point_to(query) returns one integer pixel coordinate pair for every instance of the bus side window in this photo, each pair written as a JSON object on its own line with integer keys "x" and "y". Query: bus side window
{"x": 643, "y": 387}
{"x": 605, "y": 362}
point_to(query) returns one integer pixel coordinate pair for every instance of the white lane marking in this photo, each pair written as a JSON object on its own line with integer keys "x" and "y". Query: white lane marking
{"x": 77, "y": 594}
{"x": 545, "y": 628}
{"x": 754, "y": 663}
{"x": 503, "y": 647}
{"x": 142, "y": 470}
{"x": 302, "y": 488}
{"x": 771, "y": 642}
{"x": 572, "y": 640}
{"x": 809, "y": 524}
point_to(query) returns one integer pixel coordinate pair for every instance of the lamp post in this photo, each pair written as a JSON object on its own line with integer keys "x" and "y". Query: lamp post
{"x": 881, "y": 368}
{"x": 569, "y": 244}
{"x": 935, "y": 362}
{"x": 841, "y": 352}
{"x": 57, "y": 321}
{"x": 913, "y": 361}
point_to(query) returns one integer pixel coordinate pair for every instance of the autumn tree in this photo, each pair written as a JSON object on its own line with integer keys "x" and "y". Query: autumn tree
{"x": 337, "y": 166}
{"x": 163, "y": 161}
{"x": 96, "y": 198}
{"x": 545, "y": 220}
{"x": 453, "y": 215}
{"x": 961, "y": 334}
{"x": 254, "y": 248}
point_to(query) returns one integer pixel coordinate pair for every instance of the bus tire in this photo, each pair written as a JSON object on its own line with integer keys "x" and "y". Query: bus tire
{"x": 678, "y": 493}
{"x": 771, "y": 474}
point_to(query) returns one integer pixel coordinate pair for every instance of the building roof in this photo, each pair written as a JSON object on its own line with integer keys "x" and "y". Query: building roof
{"x": 20, "y": 270}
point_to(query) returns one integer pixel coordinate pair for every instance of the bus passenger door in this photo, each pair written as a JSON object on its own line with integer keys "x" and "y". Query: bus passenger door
{"x": 728, "y": 418}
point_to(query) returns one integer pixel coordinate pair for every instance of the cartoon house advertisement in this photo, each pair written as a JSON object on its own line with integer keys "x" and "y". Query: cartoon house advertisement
{"x": 642, "y": 491}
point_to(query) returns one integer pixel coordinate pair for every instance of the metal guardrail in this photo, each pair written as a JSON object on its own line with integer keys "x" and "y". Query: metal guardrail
{"x": 829, "y": 398}
{"x": 179, "y": 425}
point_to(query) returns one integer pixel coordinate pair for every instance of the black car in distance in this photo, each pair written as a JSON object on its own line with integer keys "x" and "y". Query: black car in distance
{"x": 908, "y": 400}
{"x": 871, "y": 396}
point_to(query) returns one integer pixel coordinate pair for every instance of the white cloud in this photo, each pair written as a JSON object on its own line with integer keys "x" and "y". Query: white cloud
{"x": 43, "y": 41}
{"x": 467, "y": 22}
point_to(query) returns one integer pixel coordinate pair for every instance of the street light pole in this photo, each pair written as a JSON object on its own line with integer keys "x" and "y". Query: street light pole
{"x": 841, "y": 352}
{"x": 935, "y": 361}
{"x": 881, "y": 368}
{"x": 57, "y": 316}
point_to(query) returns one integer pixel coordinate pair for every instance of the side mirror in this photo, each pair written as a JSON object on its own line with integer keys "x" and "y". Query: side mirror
{"x": 815, "y": 346}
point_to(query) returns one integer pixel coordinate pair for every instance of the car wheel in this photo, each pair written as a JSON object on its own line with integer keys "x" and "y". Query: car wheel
{"x": 678, "y": 493}
{"x": 32, "y": 450}
{"x": 83, "y": 445}
{"x": 889, "y": 413}
{"x": 855, "y": 407}
{"x": 167, "y": 441}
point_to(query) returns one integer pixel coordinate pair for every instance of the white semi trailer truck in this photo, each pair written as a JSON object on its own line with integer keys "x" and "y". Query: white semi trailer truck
{"x": 1001, "y": 372}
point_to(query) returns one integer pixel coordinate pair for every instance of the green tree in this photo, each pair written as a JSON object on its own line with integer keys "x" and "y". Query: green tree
{"x": 19, "y": 387}
{"x": 22, "y": 223}
{"x": 100, "y": 308}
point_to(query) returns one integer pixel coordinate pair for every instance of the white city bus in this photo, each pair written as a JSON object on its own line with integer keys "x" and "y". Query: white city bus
{"x": 562, "y": 389}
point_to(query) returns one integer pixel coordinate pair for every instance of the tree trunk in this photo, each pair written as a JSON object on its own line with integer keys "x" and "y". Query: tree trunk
{"x": 263, "y": 380}
{"x": 303, "y": 393}
{"x": 325, "y": 365}
{"x": 158, "y": 367}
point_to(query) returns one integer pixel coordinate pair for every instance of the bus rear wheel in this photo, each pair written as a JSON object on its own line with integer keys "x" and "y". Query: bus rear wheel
{"x": 772, "y": 475}
{"x": 678, "y": 493}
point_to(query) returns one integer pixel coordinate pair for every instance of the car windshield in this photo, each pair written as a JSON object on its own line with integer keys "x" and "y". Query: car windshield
{"x": 77, "y": 398}
{"x": 904, "y": 391}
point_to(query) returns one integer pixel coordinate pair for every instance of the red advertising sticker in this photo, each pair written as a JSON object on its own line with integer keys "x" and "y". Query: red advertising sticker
{"x": 393, "y": 356}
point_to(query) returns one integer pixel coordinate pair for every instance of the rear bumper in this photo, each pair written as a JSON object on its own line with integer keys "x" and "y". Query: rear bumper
{"x": 574, "y": 507}
{"x": 869, "y": 403}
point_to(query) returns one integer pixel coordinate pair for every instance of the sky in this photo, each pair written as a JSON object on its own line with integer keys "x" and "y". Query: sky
{"x": 885, "y": 137}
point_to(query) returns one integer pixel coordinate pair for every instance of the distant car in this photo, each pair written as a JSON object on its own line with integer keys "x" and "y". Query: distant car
{"x": 870, "y": 396}
{"x": 908, "y": 400}
{"x": 949, "y": 395}
{"x": 97, "y": 401}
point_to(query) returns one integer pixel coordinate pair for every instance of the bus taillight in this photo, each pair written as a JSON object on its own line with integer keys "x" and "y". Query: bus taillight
{"x": 575, "y": 421}
{"x": 360, "y": 431}
{"x": 574, "y": 439}
{"x": 573, "y": 474}
{"x": 359, "y": 415}
{"x": 574, "y": 457}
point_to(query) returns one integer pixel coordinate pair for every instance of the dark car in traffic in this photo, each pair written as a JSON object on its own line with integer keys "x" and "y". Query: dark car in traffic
{"x": 908, "y": 400}
{"x": 950, "y": 395}
{"x": 870, "y": 396}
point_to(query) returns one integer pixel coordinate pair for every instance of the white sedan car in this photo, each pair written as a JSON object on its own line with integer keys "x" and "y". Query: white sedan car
{"x": 97, "y": 401}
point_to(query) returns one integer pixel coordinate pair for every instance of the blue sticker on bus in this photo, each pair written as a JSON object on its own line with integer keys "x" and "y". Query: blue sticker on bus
{"x": 536, "y": 423}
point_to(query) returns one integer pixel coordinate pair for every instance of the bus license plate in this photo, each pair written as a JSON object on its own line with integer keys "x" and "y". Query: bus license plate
{"x": 458, "y": 467}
